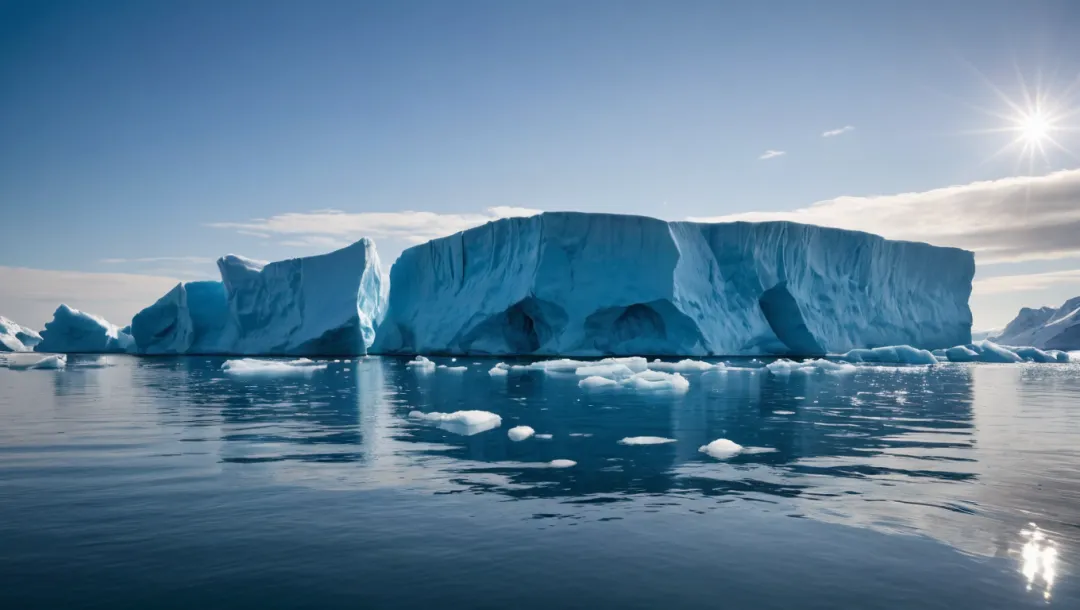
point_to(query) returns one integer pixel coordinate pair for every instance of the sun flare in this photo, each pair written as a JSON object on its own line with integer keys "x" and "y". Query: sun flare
{"x": 1035, "y": 127}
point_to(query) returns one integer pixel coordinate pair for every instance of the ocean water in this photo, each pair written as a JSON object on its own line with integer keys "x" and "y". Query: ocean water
{"x": 166, "y": 483}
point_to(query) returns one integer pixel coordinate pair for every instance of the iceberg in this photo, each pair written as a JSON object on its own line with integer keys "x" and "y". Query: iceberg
{"x": 1045, "y": 328}
{"x": 75, "y": 332}
{"x": 893, "y": 354}
{"x": 575, "y": 284}
{"x": 255, "y": 366}
{"x": 16, "y": 338}
{"x": 193, "y": 318}
{"x": 36, "y": 362}
{"x": 465, "y": 423}
{"x": 326, "y": 305}
{"x": 520, "y": 433}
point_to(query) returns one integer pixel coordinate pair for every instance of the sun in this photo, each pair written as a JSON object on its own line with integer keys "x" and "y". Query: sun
{"x": 1035, "y": 127}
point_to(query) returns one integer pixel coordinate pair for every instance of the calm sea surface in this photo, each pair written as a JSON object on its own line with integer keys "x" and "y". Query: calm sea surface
{"x": 165, "y": 483}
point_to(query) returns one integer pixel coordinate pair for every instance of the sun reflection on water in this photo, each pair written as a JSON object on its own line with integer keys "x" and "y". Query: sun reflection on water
{"x": 1038, "y": 560}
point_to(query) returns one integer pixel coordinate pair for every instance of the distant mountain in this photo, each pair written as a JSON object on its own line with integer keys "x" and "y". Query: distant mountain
{"x": 1045, "y": 327}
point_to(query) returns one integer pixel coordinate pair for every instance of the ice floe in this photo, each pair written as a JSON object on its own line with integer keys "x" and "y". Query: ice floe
{"x": 520, "y": 433}
{"x": 465, "y": 423}
{"x": 257, "y": 366}
{"x": 646, "y": 440}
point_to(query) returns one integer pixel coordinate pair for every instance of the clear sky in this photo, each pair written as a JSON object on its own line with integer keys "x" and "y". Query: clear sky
{"x": 142, "y": 139}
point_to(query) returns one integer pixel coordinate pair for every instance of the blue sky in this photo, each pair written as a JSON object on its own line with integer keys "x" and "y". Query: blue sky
{"x": 147, "y": 138}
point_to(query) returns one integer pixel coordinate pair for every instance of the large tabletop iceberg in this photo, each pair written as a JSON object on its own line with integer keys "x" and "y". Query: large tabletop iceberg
{"x": 601, "y": 284}
{"x": 325, "y": 305}
{"x": 76, "y": 332}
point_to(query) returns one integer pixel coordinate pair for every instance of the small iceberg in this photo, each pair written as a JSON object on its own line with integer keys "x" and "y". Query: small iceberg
{"x": 723, "y": 449}
{"x": 453, "y": 369}
{"x": 784, "y": 366}
{"x": 18, "y": 363}
{"x": 646, "y": 440}
{"x": 894, "y": 354}
{"x": 562, "y": 463}
{"x": 421, "y": 365}
{"x": 465, "y": 423}
{"x": 683, "y": 366}
{"x": 520, "y": 433}
{"x": 647, "y": 380}
{"x": 256, "y": 366}
{"x": 499, "y": 370}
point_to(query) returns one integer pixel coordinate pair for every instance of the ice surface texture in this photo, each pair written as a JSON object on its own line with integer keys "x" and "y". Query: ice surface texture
{"x": 75, "y": 332}
{"x": 1045, "y": 328}
{"x": 325, "y": 305}
{"x": 599, "y": 284}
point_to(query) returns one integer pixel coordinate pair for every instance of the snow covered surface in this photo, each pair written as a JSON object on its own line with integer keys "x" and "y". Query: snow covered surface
{"x": 16, "y": 338}
{"x": 1045, "y": 328}
{"x": 465, "y": 423}
{"x": 75, "y": 332}
{"x": 256, "y": 366}
{"x": 646, "y": 440}
{"x": 599, "y": 284}
{"x": 520, "y": 433}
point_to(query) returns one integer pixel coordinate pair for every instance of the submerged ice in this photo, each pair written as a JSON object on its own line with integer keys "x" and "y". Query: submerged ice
{"x": 599, "y": 284}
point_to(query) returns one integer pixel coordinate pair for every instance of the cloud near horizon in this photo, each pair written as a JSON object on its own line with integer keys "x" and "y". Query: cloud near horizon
{"x": 1008, "y": 220}
{"x": 336, "y": 229}
{"x": 772, "y": 154}
{"x": 1026, "y": 282}
{"x": 30, "y": 296}
{"x": 836, "y": 132}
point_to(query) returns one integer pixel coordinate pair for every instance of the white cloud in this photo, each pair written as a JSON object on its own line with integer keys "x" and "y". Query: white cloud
{"x": 194, "y": 260}
{"x": 835, "y": 132}
{"x": 29, "y": 296}
{"x": 1011, "y": 219}
{"x": 772, "y": 154}
{"x": 335, "y": 228}
{"x": 1025, "y": 283}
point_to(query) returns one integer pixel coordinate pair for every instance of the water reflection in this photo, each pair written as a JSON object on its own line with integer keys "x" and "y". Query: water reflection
{"x": 965, "y": 454}
{"x": 1038, "y": 561}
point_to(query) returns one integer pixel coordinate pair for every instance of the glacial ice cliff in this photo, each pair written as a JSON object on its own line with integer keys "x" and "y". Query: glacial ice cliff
{"x": 1045, "y": 328}
{"x": 16, "y": 338}
{"x": 599, "y": 284}
{"x": 326, "y": 305}
{"x": 192, "y": 318}
{"x": 75, "y": 332}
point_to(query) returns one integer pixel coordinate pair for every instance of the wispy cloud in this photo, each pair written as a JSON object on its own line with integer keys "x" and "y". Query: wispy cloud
{"x": 835, "y": 132}
{"x": 772, "y": 154}
{"x": 30, "y": 296}
{"x": 335, "y": 228}
{"x": 1011, "y": 219}
{"x": 193, "y": 260}
{"x": 1024, "y": 283}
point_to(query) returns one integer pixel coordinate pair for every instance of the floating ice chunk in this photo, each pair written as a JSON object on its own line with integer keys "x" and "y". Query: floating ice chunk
{"x": 465, "y": 423}
{"x": 683, "y": 366}
{"x": 613, "y": 370}
{"x": 961, "y": 353}
{"x": 25, "y": 362}
{"x": 453, "y": 369}
{"x": 421, "y": 365}
{"x": 1034, "y": 354}
{"x": 989, "y": 351}
{"x": 722, "y": 449}
{"x": 581, "y": 434}
{"x": 499, "y": 370}
{"x": 597, "y": 382}
{"x": 543, "y": 437}
{"x": 784, "y": 366}
{"x": 645, "y": 440}
{"x": 256, "y": 366}
{"x": 656, "y": 380}
{"x": 520, "y": 433}
{"x": 562, "y": 463}
{"x": 894, "y": 354}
